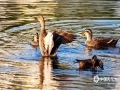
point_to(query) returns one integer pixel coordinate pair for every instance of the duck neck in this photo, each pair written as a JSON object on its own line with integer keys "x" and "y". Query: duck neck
{"x": 42, "y": 25}
{"x": 35, "y": 38}
{"x": 89, "y": 37}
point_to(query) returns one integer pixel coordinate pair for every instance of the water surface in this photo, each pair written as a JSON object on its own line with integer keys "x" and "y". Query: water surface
{"x": 22, "y": 67}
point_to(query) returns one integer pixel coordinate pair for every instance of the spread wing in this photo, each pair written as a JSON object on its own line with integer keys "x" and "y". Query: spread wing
{"x": 61, "y": 37}
{"x": 64, "y": 36}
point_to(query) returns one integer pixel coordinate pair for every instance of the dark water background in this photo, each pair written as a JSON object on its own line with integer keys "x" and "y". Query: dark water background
{"x": 23, "y": 68}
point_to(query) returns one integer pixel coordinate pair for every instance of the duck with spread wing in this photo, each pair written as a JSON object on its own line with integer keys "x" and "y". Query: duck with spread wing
{"x": 50, "y": 42}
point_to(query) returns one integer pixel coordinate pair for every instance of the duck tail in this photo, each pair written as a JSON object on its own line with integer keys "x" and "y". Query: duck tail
{"x": 77, "y": 60}
{"x": 113, "y": 42}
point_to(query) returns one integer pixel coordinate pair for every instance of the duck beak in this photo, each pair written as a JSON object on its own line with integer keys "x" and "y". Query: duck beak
{"x": 82, "y": 34}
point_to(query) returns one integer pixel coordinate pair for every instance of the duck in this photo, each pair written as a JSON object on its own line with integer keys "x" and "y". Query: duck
{"x": 98, "y": 42}
{"x": 35, "y": 42}
{"x": 49, "y": 42}
{"x": 90, "y": 63}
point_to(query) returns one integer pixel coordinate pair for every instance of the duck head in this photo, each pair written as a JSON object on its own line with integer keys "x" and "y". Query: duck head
{"x": 39, "y": 18}
{"x": 93, "y": 61}
{"x": 87, "y": 33}
{"x": 35, "y": 37}
{"x": 96, "y": 62}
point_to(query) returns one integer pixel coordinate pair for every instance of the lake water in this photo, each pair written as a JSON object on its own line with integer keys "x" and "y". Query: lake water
{"x": 23, "y": 68}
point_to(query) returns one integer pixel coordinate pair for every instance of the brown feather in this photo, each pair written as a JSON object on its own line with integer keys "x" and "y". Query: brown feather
{"x": 65, "y": 37}
{"x": 35, "y": 41}
{"x": 90, "y": 63}
{"x": 99, "y": 42}
{"x": 59, "y": 37}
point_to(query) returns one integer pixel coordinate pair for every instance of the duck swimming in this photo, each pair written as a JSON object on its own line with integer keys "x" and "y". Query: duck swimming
{"x": 50, "y": 42}
{"x": 98, "y": 42}
{"x": 90, "y": 63}
{"x": 35, "y": 40}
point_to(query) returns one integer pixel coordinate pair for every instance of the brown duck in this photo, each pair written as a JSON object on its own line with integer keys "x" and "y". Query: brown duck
{"x": 50, "y": 42}
{"x": 98, "y": 42}
{"x": 90, "y": 63}
{"x": 35, "y": 40}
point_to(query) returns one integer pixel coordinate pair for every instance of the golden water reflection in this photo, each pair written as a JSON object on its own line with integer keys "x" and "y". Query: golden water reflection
{"x": 46, "y": 79}
{"x": 18, "y": 74}
{"x": 26, "y": 75}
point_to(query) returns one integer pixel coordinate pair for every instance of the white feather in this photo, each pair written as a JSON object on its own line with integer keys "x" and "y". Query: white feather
{"x": 48, "y": 41}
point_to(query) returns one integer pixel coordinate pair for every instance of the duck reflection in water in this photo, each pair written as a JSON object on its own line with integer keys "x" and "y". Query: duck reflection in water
{"x": 93, "y": 64}
{"x": 46, "y": 64}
